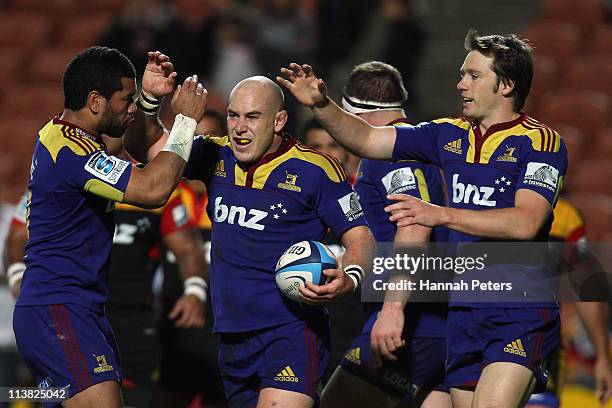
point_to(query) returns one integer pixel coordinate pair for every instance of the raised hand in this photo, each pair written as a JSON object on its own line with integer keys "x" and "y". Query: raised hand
{"x": 301, "y": 81}
{"x": 159, "y": 75}
{"x": 190, "y": 99}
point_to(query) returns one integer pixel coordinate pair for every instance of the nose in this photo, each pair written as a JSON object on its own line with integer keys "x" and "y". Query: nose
{"x": 241, "y": 126}
{"x": 461, "y": 85}
{"x": 132, "y": 108}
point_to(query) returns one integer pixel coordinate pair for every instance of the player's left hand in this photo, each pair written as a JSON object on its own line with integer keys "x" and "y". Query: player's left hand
{"x": 602, "y": 371}
{"x": 409, "y": 210}
{"x": 188, "y": 311}
{"x": 159, "y": 75}
{"x": 338, "y": 284}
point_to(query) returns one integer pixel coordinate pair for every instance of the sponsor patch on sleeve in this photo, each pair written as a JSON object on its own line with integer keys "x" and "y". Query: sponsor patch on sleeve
{"x": 399, "y": 181}
{"x": 350, "y": 206}
{"x": 542, "y": 175}
{"x": 105, "y": 167}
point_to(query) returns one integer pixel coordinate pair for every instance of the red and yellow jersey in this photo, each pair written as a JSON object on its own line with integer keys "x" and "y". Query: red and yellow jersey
{"x": 568, "y": 225}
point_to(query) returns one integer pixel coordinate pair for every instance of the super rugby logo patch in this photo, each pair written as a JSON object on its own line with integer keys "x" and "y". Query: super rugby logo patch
{"x": 105, "y": 167}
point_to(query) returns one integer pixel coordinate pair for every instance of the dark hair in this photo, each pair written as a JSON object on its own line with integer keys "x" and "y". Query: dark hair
{"x": 308, "y": 126}
{"x": 95, "y": 69}
{"x": 512, "y": 61}
{"x": 375, "y": 81}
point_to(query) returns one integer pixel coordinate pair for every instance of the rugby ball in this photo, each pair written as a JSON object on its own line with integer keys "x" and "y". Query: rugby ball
{"x": 300, "y": 263}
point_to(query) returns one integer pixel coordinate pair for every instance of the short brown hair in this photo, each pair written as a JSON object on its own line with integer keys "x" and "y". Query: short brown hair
{"x": 512, "y": 61}
{"x": 375, "y": 81}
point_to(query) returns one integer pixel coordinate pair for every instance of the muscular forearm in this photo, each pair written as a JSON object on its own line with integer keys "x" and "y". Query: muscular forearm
{"x": 355, "y": 134}
{"x": 505, "y": 223}
{"x": 156, "y": 182}
{"x": 192, "y": 263}
{"x": 359, "y": 248}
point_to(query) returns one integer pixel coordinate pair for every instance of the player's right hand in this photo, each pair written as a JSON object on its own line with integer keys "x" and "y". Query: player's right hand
{"x": 190, "y": 99}
{"x": 386, "y": 336}
{"x": 304, "y": 85}
{"x": 159, "y": 75}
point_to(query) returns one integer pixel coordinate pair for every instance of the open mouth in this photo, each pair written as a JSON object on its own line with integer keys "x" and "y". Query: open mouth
{"x": 241, "y": 141}
{"x": 467, "y": 100}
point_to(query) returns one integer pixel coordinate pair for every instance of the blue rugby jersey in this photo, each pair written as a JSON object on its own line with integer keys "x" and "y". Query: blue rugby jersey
{"x": 291, "y": 195}
{"x": 485, "y": 171}
{"x": 71, "y": 193}
{"x": 375, "y": 180}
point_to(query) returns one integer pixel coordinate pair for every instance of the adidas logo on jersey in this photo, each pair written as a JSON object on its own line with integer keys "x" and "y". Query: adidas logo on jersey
{"x": 286, "y": 374}
{"x": 516, "y": 347}
{"x": 354, "y": 355}
{"x": 220, "y": 169}
{"x": 454, "y": 147}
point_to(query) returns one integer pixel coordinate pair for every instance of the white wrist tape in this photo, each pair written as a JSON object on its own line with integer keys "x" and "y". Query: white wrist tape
{"x": 355, "y": 272}
{"x": 181, "y": 136}
{"x": 14, "y": 274}
{"x": 148, "y": 104}
{"x": 196, "y": 286}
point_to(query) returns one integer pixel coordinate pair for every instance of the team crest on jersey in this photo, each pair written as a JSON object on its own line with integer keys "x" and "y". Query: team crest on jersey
{"x": 399, "y": 181}
{"x": 350, "y": 206}
{"x": 290, "y": 183}
{"x": 107, "y": 168}
{"x": 103, "y": 366}
{"x": 542, "y": 175}
{"x": 220, "y": 169}
{"x": 508, "y": 155}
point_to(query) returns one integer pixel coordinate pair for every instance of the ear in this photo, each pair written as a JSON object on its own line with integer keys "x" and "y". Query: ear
{"x": 96, "y": 102}
{"x": 279, "y": 121}
{"x": 507, "y": 88}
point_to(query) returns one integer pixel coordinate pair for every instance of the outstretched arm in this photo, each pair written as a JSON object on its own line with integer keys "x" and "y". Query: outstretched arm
{"x": 349, "y": 130}
{"x": 521, "y": 222}
{"x": 153, "y": 185}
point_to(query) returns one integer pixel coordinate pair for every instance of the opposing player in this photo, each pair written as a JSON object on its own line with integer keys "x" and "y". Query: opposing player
{"x": 504, "y": 170}
{"x": 568, "y": 233}
{"x": 400, "y": 354}
{"x": 265, "y": 192}
{"x": 73, "y": 186}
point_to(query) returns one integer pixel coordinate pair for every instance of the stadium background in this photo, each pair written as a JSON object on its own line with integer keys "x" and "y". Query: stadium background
{"x": 226, "y": 40}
